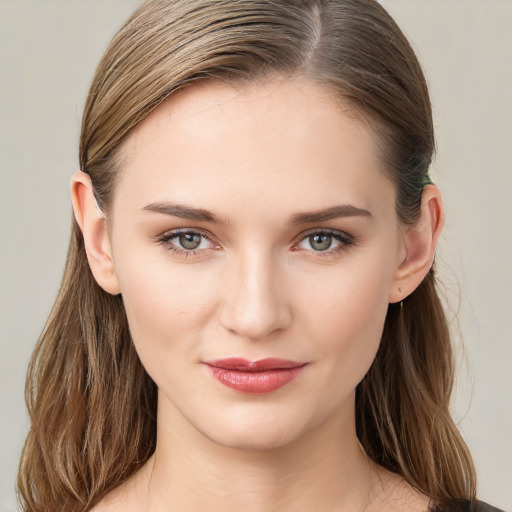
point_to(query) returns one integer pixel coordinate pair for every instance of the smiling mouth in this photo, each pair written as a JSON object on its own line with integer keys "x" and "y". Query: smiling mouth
{"x": 257, "y": 377}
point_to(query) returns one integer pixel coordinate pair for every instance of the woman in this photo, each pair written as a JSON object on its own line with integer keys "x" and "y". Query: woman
{"x": 248, "y": 318}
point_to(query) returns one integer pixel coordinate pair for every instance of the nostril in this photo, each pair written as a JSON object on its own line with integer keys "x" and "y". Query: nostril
{"x": 255, "y": 314}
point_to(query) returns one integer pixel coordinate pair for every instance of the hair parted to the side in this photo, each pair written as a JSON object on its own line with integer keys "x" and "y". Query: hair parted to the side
{"x": 92, "y": 405}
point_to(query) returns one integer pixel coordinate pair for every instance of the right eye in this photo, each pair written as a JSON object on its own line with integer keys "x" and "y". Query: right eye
{"x": 186, "y": 242}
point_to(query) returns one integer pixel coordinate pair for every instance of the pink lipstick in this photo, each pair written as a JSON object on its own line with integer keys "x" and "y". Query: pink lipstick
{"x": 263, "y": 376}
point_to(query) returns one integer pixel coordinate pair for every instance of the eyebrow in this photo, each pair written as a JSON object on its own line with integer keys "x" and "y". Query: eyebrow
{"x": 201, "y": 215}
{"x": 184, "y": 212}
{"x": 334, "y": 212}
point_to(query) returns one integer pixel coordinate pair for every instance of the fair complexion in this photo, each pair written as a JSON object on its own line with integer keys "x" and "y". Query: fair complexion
{"x": 256, "y": 223}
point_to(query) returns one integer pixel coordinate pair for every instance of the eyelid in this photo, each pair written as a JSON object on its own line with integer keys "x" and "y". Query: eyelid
{"x": 325, "y": 231}
{"x": 171, "y": 233}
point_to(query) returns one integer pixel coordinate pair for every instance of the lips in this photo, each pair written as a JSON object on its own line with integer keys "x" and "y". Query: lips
{"x": 258, "y": 377}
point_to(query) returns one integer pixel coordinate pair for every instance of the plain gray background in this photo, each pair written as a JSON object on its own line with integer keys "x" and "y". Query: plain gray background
{"x": 48, "y": 52}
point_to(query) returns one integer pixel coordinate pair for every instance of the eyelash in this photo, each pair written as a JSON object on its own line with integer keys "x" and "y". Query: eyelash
{"x": 165, "y": 241}
{"x": 345, "y": 240}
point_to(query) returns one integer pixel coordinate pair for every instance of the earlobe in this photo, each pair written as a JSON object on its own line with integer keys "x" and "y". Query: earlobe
{"x": 420, "y": 243}
{"x": 92, "y": 223}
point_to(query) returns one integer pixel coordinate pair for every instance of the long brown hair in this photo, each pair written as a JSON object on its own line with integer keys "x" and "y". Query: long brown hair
{"x": 91, "y": 403}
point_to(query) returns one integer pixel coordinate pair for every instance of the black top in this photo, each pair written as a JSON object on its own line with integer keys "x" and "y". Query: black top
{"x": 466, "y": 506}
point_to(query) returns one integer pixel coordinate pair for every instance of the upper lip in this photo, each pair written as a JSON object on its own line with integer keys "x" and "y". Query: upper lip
{"x": 244, "y": 365}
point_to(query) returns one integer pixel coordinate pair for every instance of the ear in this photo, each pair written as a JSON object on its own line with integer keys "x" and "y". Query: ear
{"x": 94, "y": 230}
{"x": 420, "y": 242}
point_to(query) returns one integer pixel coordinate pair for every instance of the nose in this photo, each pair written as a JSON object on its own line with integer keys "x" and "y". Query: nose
{"x": 255, "y": 302}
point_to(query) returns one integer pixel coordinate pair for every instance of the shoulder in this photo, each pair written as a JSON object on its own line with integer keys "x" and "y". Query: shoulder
{"x": 480, "y": 506}
{"x": 466, "y": 506}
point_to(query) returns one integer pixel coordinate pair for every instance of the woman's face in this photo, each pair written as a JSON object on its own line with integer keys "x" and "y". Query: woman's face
{"x": 252, "y": 224}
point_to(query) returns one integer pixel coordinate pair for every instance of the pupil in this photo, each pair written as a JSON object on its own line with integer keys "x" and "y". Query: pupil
{"x": 190, "y": 241}
{"x": 320, "y": 242}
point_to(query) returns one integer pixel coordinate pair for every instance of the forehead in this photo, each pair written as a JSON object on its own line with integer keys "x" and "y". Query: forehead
{"x": 286, "y": 140}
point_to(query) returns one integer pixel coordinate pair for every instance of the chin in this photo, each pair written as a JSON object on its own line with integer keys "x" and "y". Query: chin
{"x": 260, "y": 429}
{"x": 254, "y": 441}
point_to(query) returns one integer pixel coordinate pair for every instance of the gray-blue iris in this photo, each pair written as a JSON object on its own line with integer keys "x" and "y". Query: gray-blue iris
{"x": 190, "y": 241}
{"x": 320, "y": 242}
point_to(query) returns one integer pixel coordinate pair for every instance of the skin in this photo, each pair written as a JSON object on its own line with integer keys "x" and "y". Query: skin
{"x": 256, "y": 158}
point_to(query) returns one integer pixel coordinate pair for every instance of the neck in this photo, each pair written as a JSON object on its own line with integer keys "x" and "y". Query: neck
{"x": 191, "y": 472}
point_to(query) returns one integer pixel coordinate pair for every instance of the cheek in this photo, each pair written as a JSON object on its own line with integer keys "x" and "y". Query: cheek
{"x": 166, "y": 305}
{"x": 346, "y": 319}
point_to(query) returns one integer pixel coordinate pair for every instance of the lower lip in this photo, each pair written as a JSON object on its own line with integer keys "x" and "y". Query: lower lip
{"x": 255, "y": 382}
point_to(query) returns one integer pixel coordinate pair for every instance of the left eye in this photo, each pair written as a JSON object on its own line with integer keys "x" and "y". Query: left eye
{"x": 323, "y": 242}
